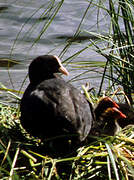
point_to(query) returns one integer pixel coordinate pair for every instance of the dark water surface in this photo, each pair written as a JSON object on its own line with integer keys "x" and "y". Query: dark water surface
{"x": 20, "y": 25}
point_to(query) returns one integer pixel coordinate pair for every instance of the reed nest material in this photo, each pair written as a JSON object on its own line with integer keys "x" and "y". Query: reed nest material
{"x": 103, "y": 158}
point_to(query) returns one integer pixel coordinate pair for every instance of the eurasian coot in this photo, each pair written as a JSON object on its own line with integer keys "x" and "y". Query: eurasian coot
{"x": 129, "y": 112}
{"x": 53, "y": 109}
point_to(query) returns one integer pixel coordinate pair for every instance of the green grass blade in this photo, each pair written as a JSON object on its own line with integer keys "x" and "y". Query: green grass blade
{"x": 112, "y": 161}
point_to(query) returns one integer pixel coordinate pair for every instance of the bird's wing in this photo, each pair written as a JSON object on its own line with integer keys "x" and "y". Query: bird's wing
{"x": 70, "y": 107}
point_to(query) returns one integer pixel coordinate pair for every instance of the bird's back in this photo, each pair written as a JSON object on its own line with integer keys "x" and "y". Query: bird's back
{"x": 55, "y": 107}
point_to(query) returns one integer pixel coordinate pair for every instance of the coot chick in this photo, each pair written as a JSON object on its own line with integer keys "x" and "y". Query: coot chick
{"x": 53, "y": 109}
{"x": 103, "y": 104}
{"x": 101, "y": 107}
{"x": 126, "y": 109}
{"x": 109, "y": 125}
{"x": 129, "y": 112}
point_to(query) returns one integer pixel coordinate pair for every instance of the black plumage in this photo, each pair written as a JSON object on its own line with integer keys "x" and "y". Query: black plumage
{"x": 129, "y": 112}
{"x": 52, "y": 108}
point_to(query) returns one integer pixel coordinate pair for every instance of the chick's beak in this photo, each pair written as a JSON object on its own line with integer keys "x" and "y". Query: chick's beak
{"x": 122, "y": 115}
{"x": 116, "y": 105}
{"x": 63, "y": 70}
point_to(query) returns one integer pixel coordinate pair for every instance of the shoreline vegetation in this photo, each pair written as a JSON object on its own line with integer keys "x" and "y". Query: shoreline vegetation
{"x": 106, "y": 157}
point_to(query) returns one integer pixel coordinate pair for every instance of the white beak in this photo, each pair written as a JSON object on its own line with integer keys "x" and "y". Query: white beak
{"x": 62, "y": 69}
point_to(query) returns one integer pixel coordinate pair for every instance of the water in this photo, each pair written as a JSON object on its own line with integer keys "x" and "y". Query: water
{"x": 19, "y": 18}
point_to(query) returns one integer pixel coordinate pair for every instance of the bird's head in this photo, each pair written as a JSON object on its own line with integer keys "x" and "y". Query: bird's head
{"x": 113, "y": 113}
{"x": 109, "y": 124}
{"x": 107, "y": 102}
{"x": 103, "y": 104}
{"x": 44, "y": 67}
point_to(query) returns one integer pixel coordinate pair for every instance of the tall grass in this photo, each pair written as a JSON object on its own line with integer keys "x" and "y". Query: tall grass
{"x": 119, "y": 48}
{"x": 123, "y": 57}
